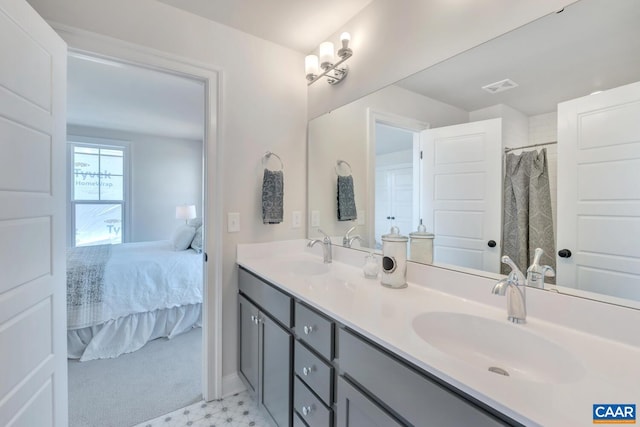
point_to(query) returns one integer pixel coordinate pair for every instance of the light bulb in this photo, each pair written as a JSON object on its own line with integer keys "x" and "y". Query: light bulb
{"x": 345, "y": 52}
{"x": 326, "y": 54}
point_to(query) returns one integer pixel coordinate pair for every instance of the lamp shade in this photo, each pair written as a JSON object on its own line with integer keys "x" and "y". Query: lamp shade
{"x": 326, "y": 53}
{"x": 185, "y": 212}
{"x": 311, "y": 65}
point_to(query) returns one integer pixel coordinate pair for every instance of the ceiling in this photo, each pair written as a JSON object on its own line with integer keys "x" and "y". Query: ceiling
{"x": 557, "y": 58}
{"x": 112, "y": 95}
{"x": 297, "y": 24}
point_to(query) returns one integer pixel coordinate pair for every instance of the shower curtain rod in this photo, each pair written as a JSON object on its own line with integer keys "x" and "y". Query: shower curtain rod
{"x": 506, "y": 150}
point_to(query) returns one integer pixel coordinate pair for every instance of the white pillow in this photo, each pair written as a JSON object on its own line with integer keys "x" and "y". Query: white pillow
{"x": 196, "y": 243}
{"x": 195, "y": 222}
{"x": 182, "y": 237}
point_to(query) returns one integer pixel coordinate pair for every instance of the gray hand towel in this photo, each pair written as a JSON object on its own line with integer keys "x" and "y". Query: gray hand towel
{"x": 346, "y": 199}
{"x": 272, "y": 197}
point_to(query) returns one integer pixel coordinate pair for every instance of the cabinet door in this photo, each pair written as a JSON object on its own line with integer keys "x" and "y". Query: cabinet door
{"x": 357, "y": 410}
{"x": 248, "y": 316}
{"x": 277, "y": 357}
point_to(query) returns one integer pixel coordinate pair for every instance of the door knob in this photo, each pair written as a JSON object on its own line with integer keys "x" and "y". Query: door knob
{"x": 564, "y": 253}
{"x": 491, "y": 243}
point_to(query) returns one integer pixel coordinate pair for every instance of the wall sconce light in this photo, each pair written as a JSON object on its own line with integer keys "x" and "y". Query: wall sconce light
{"x": 334, "y": 74}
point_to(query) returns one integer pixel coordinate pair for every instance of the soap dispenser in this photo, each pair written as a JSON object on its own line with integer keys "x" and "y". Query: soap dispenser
{"x": 394, "y": 259}
{"x": 421, "y": 245}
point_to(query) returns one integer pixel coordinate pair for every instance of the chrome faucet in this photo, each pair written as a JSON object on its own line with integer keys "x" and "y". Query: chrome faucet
{"x": 514, "y": 287}
{"x": 353, "y": 239}
{"x": 536, "y": 272}
{"x": 346, "y": 240}
{"x": 326, "y": 246}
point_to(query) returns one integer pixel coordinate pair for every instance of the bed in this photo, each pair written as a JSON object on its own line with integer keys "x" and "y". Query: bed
{"x": 121, "y": 296}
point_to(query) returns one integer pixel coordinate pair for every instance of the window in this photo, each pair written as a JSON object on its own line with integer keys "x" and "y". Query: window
{"x": 98, "y": 194}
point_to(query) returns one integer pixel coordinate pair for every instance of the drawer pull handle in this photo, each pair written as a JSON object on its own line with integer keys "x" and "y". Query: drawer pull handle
{"x": 307, "y": 371}
{"x": 255, "y": 319}
{"x": 306, "y": 410}
{"x": 308, "y": 329}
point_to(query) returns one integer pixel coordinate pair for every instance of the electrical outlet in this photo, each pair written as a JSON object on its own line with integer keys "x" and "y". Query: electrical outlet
{"x": 296, "y": 219}
{"x": 233, "y": 222}
{"x": 315, "y": 218}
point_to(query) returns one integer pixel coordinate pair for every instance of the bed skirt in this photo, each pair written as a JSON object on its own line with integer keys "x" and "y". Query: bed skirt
{"x": 130, "y": 333}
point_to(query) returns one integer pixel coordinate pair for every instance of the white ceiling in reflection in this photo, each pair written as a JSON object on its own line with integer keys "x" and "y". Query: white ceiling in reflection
{"x": 548, "y": 68}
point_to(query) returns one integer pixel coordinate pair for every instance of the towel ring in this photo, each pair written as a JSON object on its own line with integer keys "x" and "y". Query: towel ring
{"x": 340, "y": 162}
{"x": 266, "y": 157}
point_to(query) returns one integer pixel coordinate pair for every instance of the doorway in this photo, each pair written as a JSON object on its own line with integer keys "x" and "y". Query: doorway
{"x": 136, "y": 166}
{"x": 394, "y": 174}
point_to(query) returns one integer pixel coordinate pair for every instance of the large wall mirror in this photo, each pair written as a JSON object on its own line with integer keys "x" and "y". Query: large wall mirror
{"x": 529, "y": 140}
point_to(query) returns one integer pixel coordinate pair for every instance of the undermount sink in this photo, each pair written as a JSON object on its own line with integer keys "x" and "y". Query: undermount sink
{"x": 304, "y": 267}
{"x": 498, "y": 347}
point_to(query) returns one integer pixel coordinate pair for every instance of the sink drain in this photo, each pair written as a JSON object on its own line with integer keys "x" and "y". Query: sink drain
{"x": 497, "y": 370}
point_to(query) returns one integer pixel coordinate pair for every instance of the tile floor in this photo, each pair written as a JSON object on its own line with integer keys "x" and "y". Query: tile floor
{"x": 239, "y": 410}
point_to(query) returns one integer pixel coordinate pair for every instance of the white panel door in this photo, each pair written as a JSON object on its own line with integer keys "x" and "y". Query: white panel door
{"x": 461, "y": 193}
{"x": 33, "y": 370}
{"x": 394, "y": 200}
{"x": 599, "y": 180}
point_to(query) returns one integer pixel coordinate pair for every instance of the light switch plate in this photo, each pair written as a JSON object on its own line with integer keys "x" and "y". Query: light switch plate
{"x": 233, "y": 222}
{"x": 296, "y": 219}
{"x": 315, "y": 218}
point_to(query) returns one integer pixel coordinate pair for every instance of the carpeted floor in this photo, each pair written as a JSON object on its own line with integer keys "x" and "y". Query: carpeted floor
{"x": 159, "y": 378}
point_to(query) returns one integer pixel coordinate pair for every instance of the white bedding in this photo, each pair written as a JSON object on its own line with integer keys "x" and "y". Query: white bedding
{"x": 147, "y": 276}
{"x": 141, "y": 278}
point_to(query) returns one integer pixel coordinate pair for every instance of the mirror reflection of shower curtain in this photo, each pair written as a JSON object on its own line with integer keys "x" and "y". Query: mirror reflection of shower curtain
{"x": 527, "y": 216}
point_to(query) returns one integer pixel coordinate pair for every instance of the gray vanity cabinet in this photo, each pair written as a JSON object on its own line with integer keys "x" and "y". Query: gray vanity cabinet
{"x": 413, "y": 396}
{"x": 313, "y": 368}
{"x": 339, "y": 378}
{"x": 266, "y": 346}
{"x": 248, "y": 315}
{"x": 356, "y": 409}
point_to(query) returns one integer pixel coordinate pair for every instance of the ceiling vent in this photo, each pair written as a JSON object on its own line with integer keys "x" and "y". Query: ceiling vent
{"x": 500, "y": 86}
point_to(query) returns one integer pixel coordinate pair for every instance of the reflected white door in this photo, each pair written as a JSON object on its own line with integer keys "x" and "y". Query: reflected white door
{"x": 33, "y": 370}
{"x": 599, "y": 184}
{"x": 462, "y": 193}
{"x": 394, "y": 200}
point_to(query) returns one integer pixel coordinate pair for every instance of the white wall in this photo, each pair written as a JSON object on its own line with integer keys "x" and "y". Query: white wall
{"x": 342, "y": 134}
{"x": 392, "y": 40}
{"x": 263, "y": 108}
{"x": 164, "y": 172}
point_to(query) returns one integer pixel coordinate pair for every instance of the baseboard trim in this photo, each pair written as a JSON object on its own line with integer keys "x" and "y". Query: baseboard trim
{"x": 232, "y": 384}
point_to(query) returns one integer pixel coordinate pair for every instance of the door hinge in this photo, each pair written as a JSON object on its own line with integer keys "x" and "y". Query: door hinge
{"x": 206, "y": 257}
{"x": 420, "y": 154}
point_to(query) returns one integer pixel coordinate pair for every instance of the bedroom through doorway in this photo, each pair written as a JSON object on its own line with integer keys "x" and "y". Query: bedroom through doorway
{"x": 135, "y": 210}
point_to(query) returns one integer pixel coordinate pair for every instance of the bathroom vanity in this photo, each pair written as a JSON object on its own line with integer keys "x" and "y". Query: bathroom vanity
{"x": 320, "y": 345}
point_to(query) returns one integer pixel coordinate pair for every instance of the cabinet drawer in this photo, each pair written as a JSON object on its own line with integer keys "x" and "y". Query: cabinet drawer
{"x": 314, "y": 372}
{"x": 315, "y": 330}
{"x": 309, "y": 407}
{"x": 268, "y": 298}
{"x": 411, "y": 394}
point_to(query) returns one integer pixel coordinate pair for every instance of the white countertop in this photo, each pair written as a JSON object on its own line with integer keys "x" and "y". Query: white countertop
{"x": 611, "y": 368}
